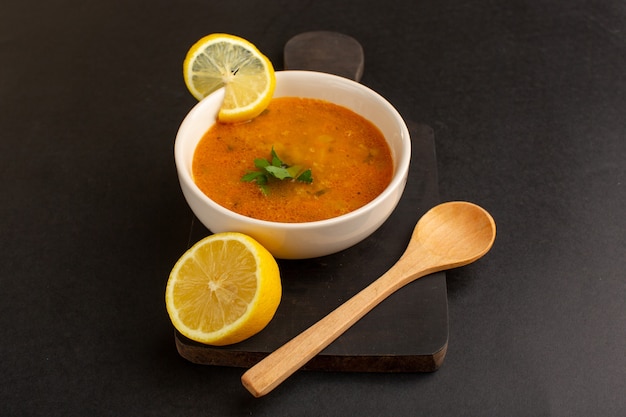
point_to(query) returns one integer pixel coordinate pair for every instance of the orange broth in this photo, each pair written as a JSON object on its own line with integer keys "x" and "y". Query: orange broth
{"x": 349, "y": 158}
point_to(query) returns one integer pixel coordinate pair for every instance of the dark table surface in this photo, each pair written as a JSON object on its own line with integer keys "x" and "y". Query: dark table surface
{"x": 527, "y": 100}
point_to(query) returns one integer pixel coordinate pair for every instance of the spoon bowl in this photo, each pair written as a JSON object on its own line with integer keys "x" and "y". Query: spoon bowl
{"x": 449, "y": 235}
{"x": 453, "y": 234}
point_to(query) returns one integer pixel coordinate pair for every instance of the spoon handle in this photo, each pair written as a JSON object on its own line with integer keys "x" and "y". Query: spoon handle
{"x": 279, "y": 365}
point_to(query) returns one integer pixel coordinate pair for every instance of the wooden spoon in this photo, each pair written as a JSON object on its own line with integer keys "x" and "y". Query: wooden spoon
{"x": 448, "y": 236}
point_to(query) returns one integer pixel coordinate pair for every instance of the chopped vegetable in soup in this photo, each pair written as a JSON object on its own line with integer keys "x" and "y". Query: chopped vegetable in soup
{"x": 347, "y": 157}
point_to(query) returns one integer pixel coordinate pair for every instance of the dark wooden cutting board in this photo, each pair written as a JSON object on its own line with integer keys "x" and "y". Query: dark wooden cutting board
{"x": 325, "y": 51}
{"x": 408, "y": 332}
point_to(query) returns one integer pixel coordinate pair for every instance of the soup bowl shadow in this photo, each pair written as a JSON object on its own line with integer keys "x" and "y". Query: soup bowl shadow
{"x": 309, "y": 239}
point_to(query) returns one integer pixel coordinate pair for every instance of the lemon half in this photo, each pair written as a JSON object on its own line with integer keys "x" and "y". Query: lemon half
{"x": 224, "y": 289}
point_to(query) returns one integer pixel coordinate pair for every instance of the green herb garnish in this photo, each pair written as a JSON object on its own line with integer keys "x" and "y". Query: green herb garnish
{"x": 275, "y": 169}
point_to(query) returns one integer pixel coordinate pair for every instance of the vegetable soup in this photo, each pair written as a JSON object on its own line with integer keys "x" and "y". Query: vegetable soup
{"x": 349, "y": 160}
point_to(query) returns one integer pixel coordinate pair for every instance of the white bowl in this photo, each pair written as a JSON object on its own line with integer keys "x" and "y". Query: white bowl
{"x": 310, "y": 239}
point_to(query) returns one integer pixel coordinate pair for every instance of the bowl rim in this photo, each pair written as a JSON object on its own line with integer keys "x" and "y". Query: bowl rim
{"x": 401, "y": 161}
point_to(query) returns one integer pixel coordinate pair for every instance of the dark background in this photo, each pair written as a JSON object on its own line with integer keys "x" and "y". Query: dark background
{"x": 527, "y": 100}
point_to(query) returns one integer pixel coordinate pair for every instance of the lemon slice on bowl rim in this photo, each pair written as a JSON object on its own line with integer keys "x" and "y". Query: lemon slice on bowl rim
{"x": 223, "y": 60}
{"x": 224, "y": 289}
